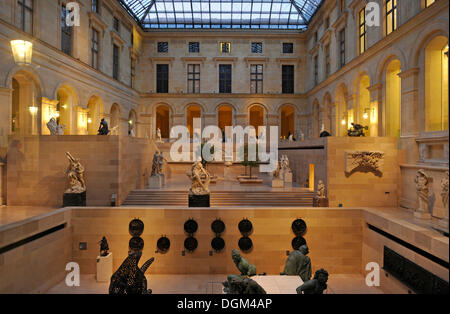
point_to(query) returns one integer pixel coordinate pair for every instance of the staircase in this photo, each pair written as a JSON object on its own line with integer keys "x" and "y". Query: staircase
{"x": 303, "y": 198}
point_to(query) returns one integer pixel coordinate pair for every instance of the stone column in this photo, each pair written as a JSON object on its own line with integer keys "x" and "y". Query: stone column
{"x": 1, "y": 183}
{"x": 376, "y": 99}
{"x": 410, "y": 127}
{"x": 5, "y": 118}
{"x": 351, "y": 114}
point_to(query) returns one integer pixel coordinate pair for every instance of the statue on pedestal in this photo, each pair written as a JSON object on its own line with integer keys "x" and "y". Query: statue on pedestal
{"x": 160, "y": 163}
{"x": 104, "y": 247}
{"x": 320, "y": 200}
{"x": 242, "y": 285}
{"x": 298, "y": 264}
{"x": 155, "y": 164}
{"x": 55, "y": 128}
{"x": 103, "y": 128}
{"x": 423, "y": 188}
{"x": 195, "y": 174}
{"x": 315, "y": 286}
{"x": 75, "y": 173}
{"x": 320, "y": 190}
{"x": 158, "y": 136}
{"x": 129, "y": 278}
{"x": 243, "y": 264}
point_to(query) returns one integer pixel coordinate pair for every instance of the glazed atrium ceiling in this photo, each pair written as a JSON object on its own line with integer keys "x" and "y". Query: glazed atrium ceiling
{"x": 222, "y": 14}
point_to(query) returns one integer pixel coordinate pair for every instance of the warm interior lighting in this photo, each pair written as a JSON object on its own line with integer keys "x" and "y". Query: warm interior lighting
{"x": 89, "y": 120}
{"x": 22, "y": 51}
{"x": 130, "y": 122}
{"x": 343, "y": 122}
{"x": 56, "y": 114}
{"x": 366, "y": 114}
{"x": 33, "y": 109}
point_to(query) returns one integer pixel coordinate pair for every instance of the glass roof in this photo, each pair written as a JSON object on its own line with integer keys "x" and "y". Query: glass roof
{"x": 263, "y": 14}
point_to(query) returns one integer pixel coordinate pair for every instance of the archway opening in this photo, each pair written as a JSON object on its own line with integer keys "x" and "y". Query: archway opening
{"x": 64, "y": 108}
{"x": 25, "y": 106}
{"x": 256, "y": 117}
{"x": 163, "y": 120}
{"x": 95, "y": 114}
{"x": 193, "y": 111}
{"x": 287, "y": 119}
{"x": 344, "y": 116}
{"x": 436, "y": 84}
{"x": 364, "y": 116}
{"x": 393, "y": 99}
{"x": 132, "y": 120}
{"x": 225, "y": 117}
{"x": 115, "y": 119}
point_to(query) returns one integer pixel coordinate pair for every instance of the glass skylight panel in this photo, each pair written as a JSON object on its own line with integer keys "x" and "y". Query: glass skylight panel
{"x": 274, "y": 14}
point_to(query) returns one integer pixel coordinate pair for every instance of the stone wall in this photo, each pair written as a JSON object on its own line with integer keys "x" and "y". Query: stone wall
{"x": 362, "y": 188}
{"x": 36, "y": 166}
{"x": 334, "y": 237}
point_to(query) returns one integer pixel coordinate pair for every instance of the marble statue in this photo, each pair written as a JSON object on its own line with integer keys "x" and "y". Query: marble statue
{"x": 291, "y": 138}
{"x": 285, "y": 163}
{"x": 444, "y": 192}
{"x": 132, "y": 133}
{"x": 196, "y": 173}
{"x": 423, "y": 189}
{"x": 241, "y": 285}
{"x": 115, "y": 130}
{"x": 298, "y": 264}
{"x": 129, "y": 278}
{"x": 103, "y": 128}
{"x": 243, "y": 264}
{"x": 75, "y": 173}
{"x": 321, "y": 189}
{"x": 55, "y": 128}
{"x": 316, "y": 285}
{"x": 158, "y": 135}
{"x": 104, "y": 247}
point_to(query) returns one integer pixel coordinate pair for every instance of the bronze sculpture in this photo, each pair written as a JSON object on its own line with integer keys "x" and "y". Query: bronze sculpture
{"x": 298, "y": 264}
{"x": 244, "y": 266}
{"x": 315, "y": 286}
{"x": 241, "y": 285}
{"x": 129, "y": 278}
{"x": 357, "y": 130}
{"x": 104, "y": 247}
{"x": 103, "y": 128}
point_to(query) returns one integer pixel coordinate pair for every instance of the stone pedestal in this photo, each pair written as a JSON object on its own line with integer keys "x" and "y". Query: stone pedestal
{"x": 104, "y": 268}
{"x": 321, "y": 202}
{"x": 422, "y": 215}
{"x": 277, "y": 183}
{"x": 199, "y": 200}
{"x": 163, "y": 179}
{"x": 74, "y": 199}
{"x": 287, "y": 177}
{"x": 227, "y": 176}
{"x": 155, "y": 182}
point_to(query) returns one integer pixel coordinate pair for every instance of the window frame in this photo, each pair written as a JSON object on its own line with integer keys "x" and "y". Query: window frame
{"x": 95, "y": 49}
{"x": 194, "y": 44}
{"x": 164, "y": 45}
{"x": 26, "y": 9}
{"x": 256, "y": 79}
{"x": 116, "y": 62}
{"x": 287, "y": 79}
{"x": 362, "y": 35}
{"x": 162, "y": 78}
{"x": 225, "y": 79}
{"x": 286, "y": 45}
{"x": 256, "y": 45}
{"x": 223, "y": 44}
{"x": 342, "y": 48}
{"x": 66, "y": 32}
{"x": 392, "y": 15}
{"x": 193, "y": 76}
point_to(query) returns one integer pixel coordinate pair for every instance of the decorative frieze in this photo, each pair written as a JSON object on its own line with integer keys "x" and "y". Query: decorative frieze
{"x": 364, "y": 161}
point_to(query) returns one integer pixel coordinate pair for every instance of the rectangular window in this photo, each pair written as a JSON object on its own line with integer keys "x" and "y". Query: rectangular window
{"x": 66, "y": 32}
{"x": 316, "y": 70}
{"x": 163, "y": 46}
{"x": 94, "y": 49}
{"x": 26, "y": 15}
{"x": 116, "y": 24}
{"x": 115, "y": 62}
{"x": 193, "y": 78}
{"x": 428, "y": 3}
{"x": 94, "y": 6}
{"x": 256, "y": 47}
{"x": 288, "y": 48}
{"x": 256, "y": 79}
{"x": 225, "y": 47}
{"x": 287, "y": 79}
{"x": 342, "y": 48}
{"x": 194, "y": 47}
{"x": 162, "y": 78}
{"x": 391, "y": 16}
{"x": 224, "y": 78}
{"x": 362, "y": 31}
{"x": 132, "y": 72}
{"x": 327, "y": 61}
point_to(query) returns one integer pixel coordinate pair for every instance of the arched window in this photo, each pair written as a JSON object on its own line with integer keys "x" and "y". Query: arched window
{"x": 256, "y": 116}
{"x": 163, "y": 120}
{"x": 364, "y": 115}
{"x": 115, "y": 119}
{"x": 393, "y": 99}
{"x": 436, "y": 84}
{"x": 95, "y": 114}
{"x": 132, "y": 120}
{"x": 287, "y": 121}
{"x": 193, "y": 111}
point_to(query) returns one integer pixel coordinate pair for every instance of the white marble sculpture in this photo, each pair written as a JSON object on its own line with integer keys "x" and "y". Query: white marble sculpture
{"x": 199, "y": 186}
{"x": 321, "y": 190}
{"x": 291, "y": 138}
{"x": 158, "y": 136}
{"x": 444, "y": 196}
{"x": 423, "y": 182}
{"x": 55, "y": 128}
{"x": 75, "y": 173}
